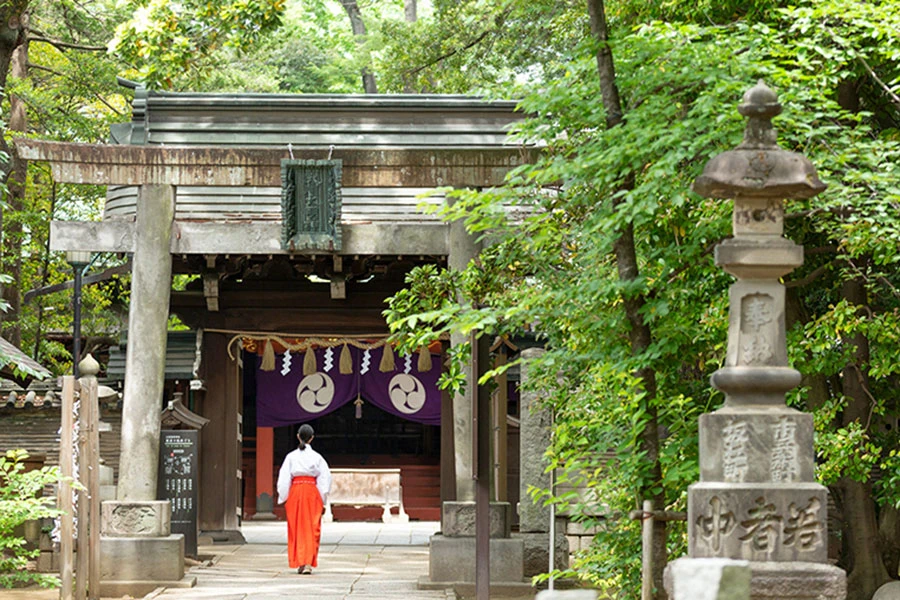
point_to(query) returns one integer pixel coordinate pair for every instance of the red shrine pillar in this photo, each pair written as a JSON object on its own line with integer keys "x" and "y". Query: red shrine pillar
{"x": 265, "y": 457}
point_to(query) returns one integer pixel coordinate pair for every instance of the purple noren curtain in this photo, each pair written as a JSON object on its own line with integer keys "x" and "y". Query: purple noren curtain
{"x": 285, "y": 396}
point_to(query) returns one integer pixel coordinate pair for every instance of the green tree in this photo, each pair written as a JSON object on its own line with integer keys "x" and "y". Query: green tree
{"x": 481, "y": 46}
{"x": 170, "y": 44}
{"x": 633, "y": 335}
{"x": 20, "y": 502}
{"x": 68, "y": 93}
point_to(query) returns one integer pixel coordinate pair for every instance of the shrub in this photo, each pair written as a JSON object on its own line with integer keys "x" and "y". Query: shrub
{"x": 19, "y": 502}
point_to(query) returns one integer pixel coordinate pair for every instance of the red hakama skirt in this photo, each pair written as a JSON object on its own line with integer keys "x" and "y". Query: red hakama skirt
{"x": 304, "y": 521}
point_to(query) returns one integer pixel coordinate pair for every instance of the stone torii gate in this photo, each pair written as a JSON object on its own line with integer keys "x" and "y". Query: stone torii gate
{"x": 137, "y": 538}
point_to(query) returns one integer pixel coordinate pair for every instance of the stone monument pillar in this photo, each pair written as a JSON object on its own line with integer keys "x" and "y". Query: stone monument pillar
{"x": 757, "y": 499}
{"x": 535, "y": 430}
{"x": 145, "y": 357}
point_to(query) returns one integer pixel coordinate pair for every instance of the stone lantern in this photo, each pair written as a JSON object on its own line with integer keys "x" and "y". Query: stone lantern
{"x": 757, "y": 501}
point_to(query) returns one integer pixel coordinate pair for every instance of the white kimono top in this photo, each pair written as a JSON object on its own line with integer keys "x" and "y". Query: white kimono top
{"x": 306, "y": 462}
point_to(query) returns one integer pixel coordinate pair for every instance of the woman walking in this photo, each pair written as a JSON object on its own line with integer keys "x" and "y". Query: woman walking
{"x": 304, "y": 482}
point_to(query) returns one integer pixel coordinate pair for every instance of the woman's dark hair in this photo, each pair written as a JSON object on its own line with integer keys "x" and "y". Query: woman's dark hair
{"x": 305, "y": 434}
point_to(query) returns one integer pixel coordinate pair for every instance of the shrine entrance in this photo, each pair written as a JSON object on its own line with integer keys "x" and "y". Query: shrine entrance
{"x": 286, "y": 216}
{"x": 369, "y": 409}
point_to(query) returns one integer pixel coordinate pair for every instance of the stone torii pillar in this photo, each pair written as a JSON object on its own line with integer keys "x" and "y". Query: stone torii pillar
{"x": 464, "y": 247}
{"x": 137, "y": 526}
{"x": 757, "y": 502}
{"x": 145, "y": 357}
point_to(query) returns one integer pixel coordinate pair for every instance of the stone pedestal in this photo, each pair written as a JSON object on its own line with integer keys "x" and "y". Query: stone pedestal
{"x": 797, "y": 581}
{"x": 750, "y": 444}
{"x": 452, "y": 560}
{"x": 137, "y": 565}
{"x": 136, "y": 519}
{"x": 458, "y": 519}
{"x": 693, "y": 578}
{"x": 697, "y": 578}
{"x": 758, "y": 521}
{"x": 451, "y": 556}
{"x": 138, "y": 552}
{"x": 536, "y": 551}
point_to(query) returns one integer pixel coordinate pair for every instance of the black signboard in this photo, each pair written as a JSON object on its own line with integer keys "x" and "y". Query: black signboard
{"x": 178, "y": 481}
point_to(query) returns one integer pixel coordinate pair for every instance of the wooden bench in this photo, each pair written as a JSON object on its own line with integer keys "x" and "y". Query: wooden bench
{"x": 367, "y": 487}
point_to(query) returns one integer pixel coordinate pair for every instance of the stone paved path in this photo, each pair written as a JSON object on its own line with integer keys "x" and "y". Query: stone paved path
{"x": 357, "y": 561}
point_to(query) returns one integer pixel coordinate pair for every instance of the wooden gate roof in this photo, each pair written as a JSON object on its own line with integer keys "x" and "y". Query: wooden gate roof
{"x": 223, "y": 153}
{"x": 303, "y": 122}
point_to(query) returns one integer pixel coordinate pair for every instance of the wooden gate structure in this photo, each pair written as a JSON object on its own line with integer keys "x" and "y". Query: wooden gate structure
{"x": 195, "y": 187}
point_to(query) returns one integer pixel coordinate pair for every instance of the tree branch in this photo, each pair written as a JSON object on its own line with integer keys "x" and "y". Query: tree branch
{"x": 107, "y": 104}
{"x": 61, "y": 45}
{"x": 459, "y": 49}
{"x": 46, "y": 69}
{"x": 810, "y": 277}
{"x": 887, "y": 283}
{"x": 894, "y": 97}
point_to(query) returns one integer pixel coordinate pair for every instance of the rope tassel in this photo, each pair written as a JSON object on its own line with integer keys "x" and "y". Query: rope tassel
{"x": 268, "y": 357}
{"x": 387, "y": 359}
{"x": 309, "y": 362}
{"x": 424, "y": 364}
{"x": 346, "y": 362}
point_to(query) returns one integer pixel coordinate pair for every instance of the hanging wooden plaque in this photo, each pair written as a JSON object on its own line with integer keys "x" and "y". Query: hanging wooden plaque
{"x": 311, "y": 205}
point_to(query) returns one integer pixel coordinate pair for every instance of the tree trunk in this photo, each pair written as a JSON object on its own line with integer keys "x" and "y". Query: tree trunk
{"x": 888, "y": 534}
{"x": 639, "y": 335}
{"x": 861, "y": 548}
{"x": 640, "y": 338}
{"x": 867, "y": 572}
{"x": 410, "y": 11}
{"x": 359, "y": 30}
{"x": 13, "y": 20}
{"x": 45, "y": 279}
{"x": 795, "y": 314}
{"x": 605, "y": 67}
{"x": 15, "y": 201}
